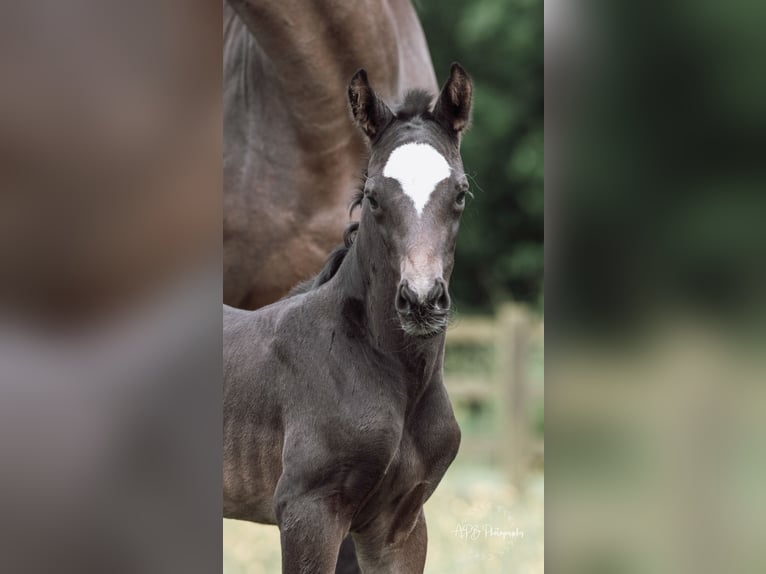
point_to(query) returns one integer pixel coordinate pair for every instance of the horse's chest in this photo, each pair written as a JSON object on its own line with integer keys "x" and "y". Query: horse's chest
{"x": 423, "y": 458}
{"x": 424, "y": 453}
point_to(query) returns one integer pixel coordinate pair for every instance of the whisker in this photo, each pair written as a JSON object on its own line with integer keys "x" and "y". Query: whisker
{"x": 475, "y": 183}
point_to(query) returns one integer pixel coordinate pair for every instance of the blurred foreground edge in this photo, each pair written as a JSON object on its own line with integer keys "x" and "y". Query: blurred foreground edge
{"x": 655, "y": 307}
{"x": 110, "y": 218}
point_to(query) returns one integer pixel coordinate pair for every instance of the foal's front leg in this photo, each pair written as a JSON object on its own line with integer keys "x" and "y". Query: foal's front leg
{"x": 311, "y": 533}
{"x": 405, "y": 554}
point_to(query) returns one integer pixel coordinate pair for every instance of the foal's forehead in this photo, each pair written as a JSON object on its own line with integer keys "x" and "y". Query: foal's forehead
{"x": 416, "y": 155}
{"x": 419, "y": 168}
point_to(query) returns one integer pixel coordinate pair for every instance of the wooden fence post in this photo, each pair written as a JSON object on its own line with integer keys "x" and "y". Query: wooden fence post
{"x": 511, "y": 354}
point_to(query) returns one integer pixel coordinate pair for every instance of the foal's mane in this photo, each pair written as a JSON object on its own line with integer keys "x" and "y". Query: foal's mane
{"x": 416, "y": 104}
{"x": 332, "y": 264}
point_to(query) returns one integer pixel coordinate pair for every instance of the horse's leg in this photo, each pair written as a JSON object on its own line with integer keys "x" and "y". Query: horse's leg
{"x": 347, "y": 563}
{"x": 311, "y": 533}
{"x": 405, "y": 555}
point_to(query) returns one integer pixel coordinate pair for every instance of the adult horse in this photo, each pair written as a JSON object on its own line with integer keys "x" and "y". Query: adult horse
{"x": 336, "y": 418}
{"x": 291, "y": 156}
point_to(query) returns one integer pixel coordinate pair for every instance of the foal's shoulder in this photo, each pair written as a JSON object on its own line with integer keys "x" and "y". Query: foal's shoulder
{"x": 232, "y": 317}
{"x": 239, "y": 323}
{"x": 297, "y": 317}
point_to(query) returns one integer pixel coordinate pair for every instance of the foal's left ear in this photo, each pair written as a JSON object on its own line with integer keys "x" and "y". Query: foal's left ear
{"x": 370, "y": 113}
{"x": 453, "y": 110}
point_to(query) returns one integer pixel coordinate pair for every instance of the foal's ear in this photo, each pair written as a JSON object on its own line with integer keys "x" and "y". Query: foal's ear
{"x": 453, "y": 110}
{"x": 370, "y": 113}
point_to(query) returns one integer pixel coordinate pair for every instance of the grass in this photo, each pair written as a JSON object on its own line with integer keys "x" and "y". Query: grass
{"x": 477, "y": 523}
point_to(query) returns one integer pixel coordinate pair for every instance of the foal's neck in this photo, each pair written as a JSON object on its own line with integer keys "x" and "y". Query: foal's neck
{"x": 368, "y": 289}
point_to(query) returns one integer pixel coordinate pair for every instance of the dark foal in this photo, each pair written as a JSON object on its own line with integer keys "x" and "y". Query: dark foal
{"x": 336, "y": 419}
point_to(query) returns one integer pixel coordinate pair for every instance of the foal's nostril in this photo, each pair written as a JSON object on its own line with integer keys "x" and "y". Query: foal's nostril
{"x": 438, "y": 295}
{"x": 405, "y": 298}
{"x": 407, "y": 301}
{"x": 435, "y": 293}
{"x": 444, "y": 301}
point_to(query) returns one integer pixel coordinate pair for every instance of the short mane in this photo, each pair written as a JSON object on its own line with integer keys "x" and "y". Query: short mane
{"x": 332, "y": 264}
{"x": 416, "y": 103}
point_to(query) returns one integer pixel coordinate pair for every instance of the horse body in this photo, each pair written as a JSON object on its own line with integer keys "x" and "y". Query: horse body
{"x": 374, "y": 443}
{"x": 336, "y": 418}
{"x": 291, "y": 155}
{"x": 369, "y": 448}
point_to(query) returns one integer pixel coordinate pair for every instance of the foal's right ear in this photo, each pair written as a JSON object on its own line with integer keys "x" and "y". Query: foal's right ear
{"x": 370, "y": 113}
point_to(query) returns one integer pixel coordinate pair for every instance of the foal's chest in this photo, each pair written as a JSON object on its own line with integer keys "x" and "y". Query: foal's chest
{"x": 429, "y": 443}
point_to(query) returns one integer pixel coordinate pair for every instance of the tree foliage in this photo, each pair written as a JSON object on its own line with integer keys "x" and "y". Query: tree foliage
{"x": 500, "y": 43}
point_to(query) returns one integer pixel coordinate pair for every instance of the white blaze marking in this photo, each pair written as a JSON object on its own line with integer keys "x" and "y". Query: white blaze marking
{"x": 418, "y": 168}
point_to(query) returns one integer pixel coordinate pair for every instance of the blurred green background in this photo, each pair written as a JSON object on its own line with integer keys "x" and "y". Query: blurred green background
{"x": 500, "y": 44}
{"x": 656, "y": 407}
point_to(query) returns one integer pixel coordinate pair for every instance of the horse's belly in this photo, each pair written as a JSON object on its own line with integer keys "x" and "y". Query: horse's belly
{"x": 250, "y": 474}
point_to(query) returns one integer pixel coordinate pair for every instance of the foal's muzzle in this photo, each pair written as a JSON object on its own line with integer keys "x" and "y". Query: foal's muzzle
{"x": 423, "y": 313}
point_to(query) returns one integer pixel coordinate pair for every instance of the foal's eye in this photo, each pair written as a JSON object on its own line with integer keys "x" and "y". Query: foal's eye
{"x": 373, "y": 202}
